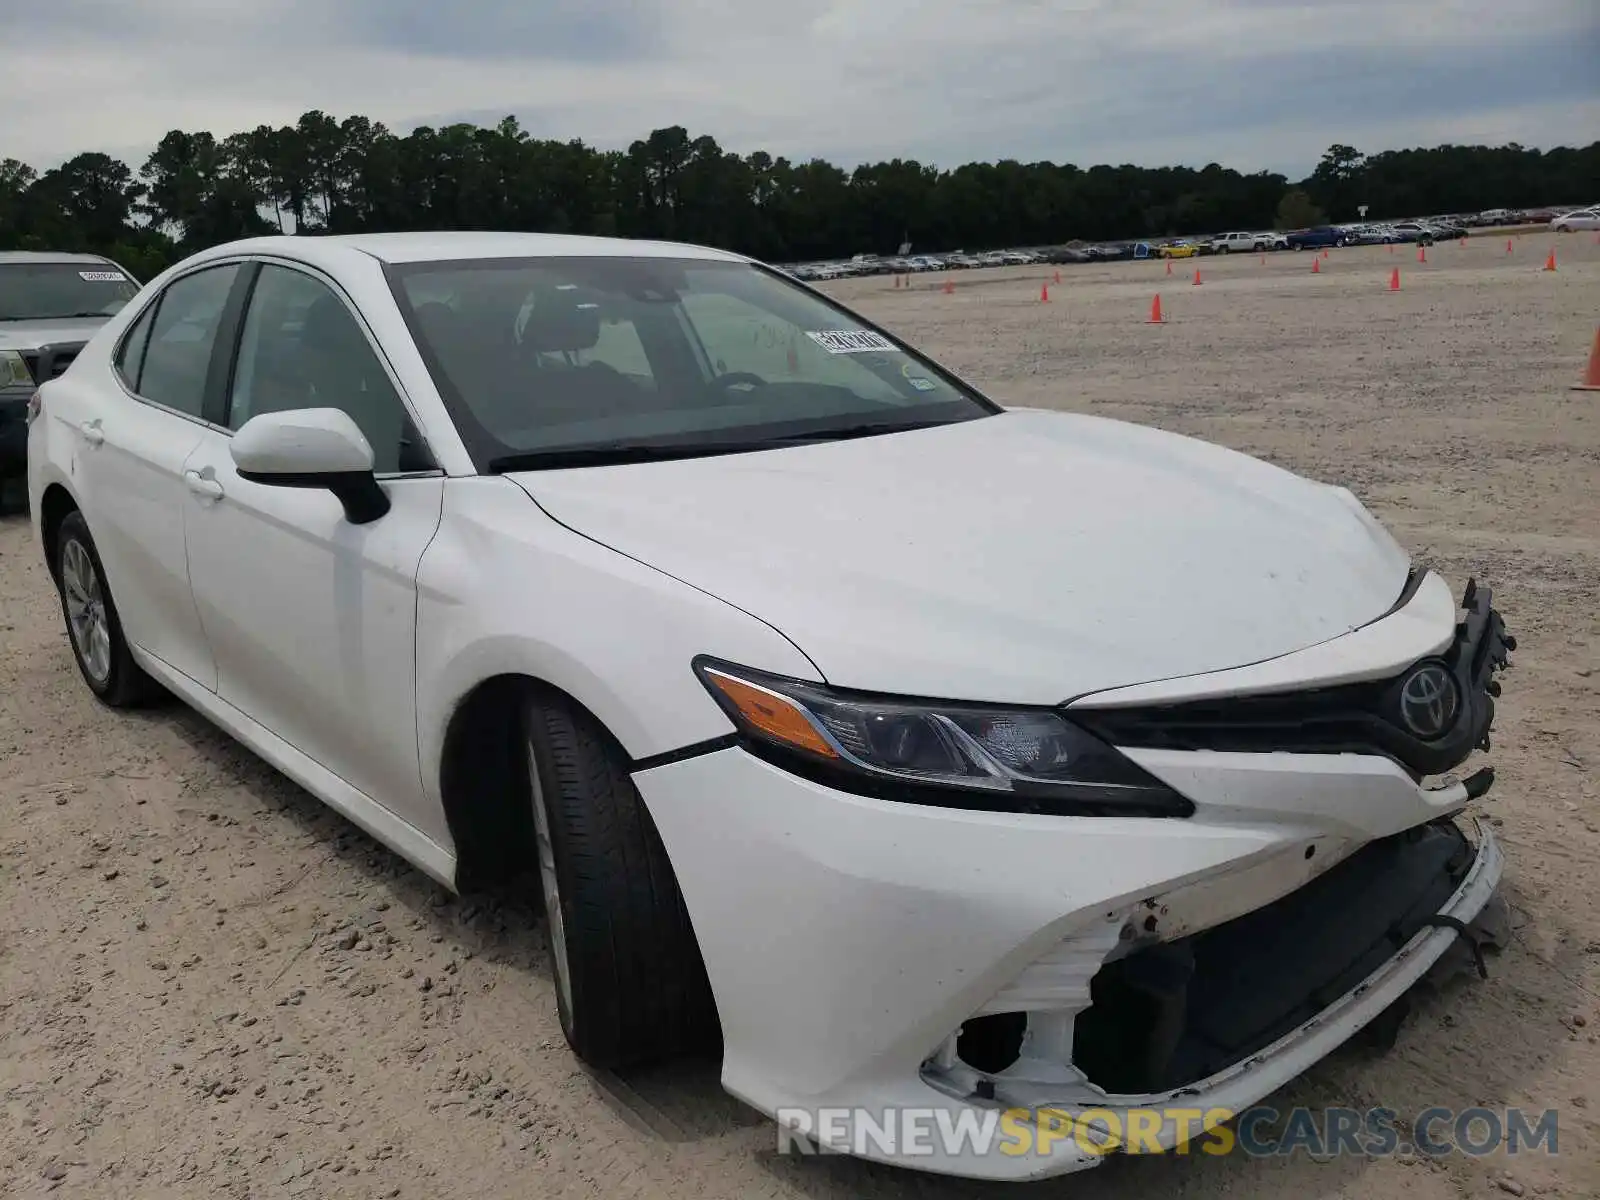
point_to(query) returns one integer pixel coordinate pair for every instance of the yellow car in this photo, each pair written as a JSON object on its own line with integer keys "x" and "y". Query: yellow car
{"x": 1178, "y": 250}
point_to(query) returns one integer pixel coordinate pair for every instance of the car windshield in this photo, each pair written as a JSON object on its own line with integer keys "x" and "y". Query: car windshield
{"x": 549, "y": 362}
{"x": 37, "y": 291}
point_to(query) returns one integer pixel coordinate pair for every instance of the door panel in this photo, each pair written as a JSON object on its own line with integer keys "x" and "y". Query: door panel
{"x": 130, "y": 465}
{"x": 132, "y": 455}
{"x": 312, "y": 620}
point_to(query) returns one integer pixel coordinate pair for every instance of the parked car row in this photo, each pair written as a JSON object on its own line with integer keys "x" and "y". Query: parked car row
{"x": 1421, "y": 230}
{"x": 872, "y": 264}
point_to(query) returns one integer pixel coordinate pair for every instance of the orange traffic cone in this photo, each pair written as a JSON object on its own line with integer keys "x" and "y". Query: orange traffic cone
{"x": 1324, "y": 252}
{"x": 1463, "y": 241}
{"x": 1422, "y": 254}
{"x": 1508, "y": 245}
{"x": 1057, "y": 280}
{"x": 1394, "y": 280}
{"x": 1391, "y": 247}
{"x": 1591, "y": 377}
{"x": 1169, "y": 266}
{"x": 949, "y": 287}
{"x": 1263, "y": 260}
{"x": 1155, "y": 312}
{"x": 897, "y": 281}
{"x": 1316, "y": 266}
{"x": 1197, "y": 277}
{"x": 1044, "y": 293}
{"x": 1550, "y": 263}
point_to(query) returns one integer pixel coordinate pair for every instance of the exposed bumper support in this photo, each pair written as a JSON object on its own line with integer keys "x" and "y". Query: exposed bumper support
{"x": 1241, "y": 1084}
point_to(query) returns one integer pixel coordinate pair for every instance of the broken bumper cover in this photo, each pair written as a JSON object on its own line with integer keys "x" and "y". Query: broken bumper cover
{"x": 1173, "y": 1114}
{"x": 851, "y": 941}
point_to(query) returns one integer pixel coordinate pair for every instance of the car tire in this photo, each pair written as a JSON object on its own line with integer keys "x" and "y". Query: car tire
{"x": 94, "y": 629}
{"x": 631, "y": 987}
{"x": 1563, "y": 228}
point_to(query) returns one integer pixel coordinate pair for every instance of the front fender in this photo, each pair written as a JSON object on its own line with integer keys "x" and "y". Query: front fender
{"x": 504, "y": 589}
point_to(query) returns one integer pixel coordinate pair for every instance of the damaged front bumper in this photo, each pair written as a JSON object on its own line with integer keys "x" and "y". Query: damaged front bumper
{"x": 868, "y": 955}
{"x": 1269, "y": 995}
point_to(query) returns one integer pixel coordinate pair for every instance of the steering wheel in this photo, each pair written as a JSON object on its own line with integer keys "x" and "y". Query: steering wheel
{"x": 735, "y": 378}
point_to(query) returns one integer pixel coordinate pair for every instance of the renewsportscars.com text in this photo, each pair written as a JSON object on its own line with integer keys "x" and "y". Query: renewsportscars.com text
{"x": 1261, "y": 1131}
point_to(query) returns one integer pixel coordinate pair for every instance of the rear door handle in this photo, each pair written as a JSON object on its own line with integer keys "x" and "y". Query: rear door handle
{"x": 200, "y": 485}
{"x": 92, "y": 433}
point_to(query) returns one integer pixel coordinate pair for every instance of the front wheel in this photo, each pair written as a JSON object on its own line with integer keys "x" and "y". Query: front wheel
{"x": 95, "y": 630}
{"x": 631, "y": 987}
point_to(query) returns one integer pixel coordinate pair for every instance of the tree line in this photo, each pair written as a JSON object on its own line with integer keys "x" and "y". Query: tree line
{"x": 322, "y": 175}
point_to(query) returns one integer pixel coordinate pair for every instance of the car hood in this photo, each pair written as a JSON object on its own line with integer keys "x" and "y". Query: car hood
{"x": 1029, "y": 557}
{"x": 30, "y": 335}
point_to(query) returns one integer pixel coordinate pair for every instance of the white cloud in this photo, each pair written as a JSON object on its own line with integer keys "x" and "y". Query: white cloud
{"x": 1251, "y": 83}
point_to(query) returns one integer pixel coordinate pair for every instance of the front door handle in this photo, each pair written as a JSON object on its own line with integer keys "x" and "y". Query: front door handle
{"x": 92, "y": 433}
{"x": 201, "y": 485}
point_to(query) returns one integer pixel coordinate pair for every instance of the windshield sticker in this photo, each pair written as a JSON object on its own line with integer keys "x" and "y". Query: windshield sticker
{"x": 922, "y": 385}
{"x": 103, "y": 276}
{"x": 851, "y": 341}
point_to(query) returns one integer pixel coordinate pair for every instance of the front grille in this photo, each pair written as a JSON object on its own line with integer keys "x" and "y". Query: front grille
{"x": 1361, "y": 718}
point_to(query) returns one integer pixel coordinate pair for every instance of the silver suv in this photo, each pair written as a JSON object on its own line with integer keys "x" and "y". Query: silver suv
{"x": 50, "y": 304}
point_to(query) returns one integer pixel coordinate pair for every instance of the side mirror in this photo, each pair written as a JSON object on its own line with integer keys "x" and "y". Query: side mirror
{"x": 312, "y": 448}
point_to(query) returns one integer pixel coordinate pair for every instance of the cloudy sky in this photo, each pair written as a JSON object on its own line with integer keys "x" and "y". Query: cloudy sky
{"x": 1249, "y": 83}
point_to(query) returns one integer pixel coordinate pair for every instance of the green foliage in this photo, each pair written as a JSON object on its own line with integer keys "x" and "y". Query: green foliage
{"x": 343, "y": 176}
{"x": 1297, "y": 211}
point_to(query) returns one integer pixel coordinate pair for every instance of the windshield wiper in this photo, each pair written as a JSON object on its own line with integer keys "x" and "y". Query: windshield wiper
{"x": 839, "y": 433}
{"x": 610, "y": 453}
{"x": 607, "y": 454}
{"x": 59, "y": 316}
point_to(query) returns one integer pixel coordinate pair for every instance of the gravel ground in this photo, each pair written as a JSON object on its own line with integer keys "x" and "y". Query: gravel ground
{"x": 210, "y": 985}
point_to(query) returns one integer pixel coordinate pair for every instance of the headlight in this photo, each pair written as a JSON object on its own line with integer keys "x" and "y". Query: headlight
{"x": 955, "y": 755}
{"x": 13, "y": 370}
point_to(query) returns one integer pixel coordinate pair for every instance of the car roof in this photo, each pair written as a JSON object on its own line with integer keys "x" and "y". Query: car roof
{"x": 445, "y": 246}
{"x": 48, "y": 256}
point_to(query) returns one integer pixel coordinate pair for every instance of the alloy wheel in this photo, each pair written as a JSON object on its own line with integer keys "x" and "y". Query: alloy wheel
{"x": 86, "y": 610}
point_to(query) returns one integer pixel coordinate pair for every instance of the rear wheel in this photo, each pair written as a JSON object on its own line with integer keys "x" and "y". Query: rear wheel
{"x": 95, "y": 630}
{"x": 630, "y": 983}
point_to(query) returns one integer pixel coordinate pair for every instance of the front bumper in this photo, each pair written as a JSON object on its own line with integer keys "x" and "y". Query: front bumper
{"x": 850, "y": 941}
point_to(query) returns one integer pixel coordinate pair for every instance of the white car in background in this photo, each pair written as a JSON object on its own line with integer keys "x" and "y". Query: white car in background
{"x": 926, "y": 753}
{"x": 1240, "y": 243}
{"x": 1583, "y": 218}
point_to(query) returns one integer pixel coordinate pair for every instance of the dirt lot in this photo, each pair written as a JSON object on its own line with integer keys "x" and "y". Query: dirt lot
{"x": 211, "y": 986}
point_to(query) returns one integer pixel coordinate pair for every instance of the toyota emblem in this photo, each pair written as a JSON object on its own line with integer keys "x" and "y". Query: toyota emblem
{"x": 1429, "y": 701}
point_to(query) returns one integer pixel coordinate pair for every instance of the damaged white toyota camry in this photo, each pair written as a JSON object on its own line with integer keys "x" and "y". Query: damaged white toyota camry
{"x": 927, "y": 753}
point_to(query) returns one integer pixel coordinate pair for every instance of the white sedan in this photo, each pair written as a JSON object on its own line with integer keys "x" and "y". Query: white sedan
{"x": 928, "y": 755}
{"x": 1584, "y": 218}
